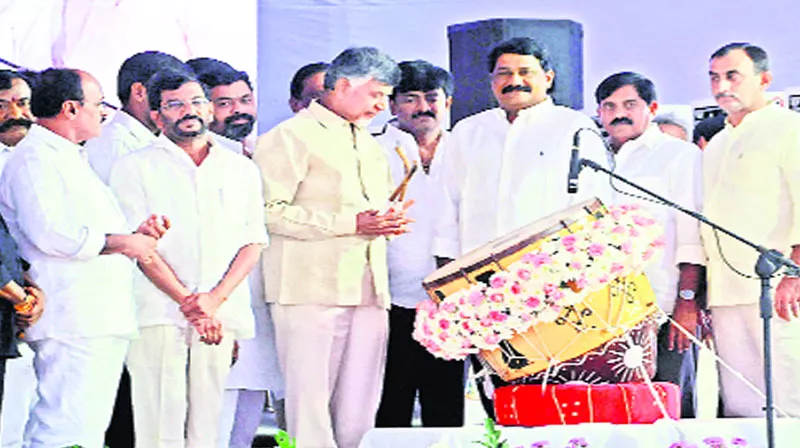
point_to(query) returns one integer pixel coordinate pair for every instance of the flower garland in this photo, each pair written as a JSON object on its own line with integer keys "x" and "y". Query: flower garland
{"x": 535, "y": 289}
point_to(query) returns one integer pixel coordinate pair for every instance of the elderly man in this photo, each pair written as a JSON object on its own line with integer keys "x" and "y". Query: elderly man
{"x": 626, "y": 105}
{"x": 420, "y": 104}
{"x": 670, "y": 124}
{"x": 131, "y": 128}
{"x": 191, "y": 304}
{"x": 751, "y": 186}
{"x": 508, "y": 166}
{"x": 326, "y": 184}
{"x": 307, "y": 85}
{"x": 70, "y": 228}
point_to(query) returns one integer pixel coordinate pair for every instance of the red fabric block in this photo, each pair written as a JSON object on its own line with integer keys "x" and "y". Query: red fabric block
{"x": 570, "y": 404}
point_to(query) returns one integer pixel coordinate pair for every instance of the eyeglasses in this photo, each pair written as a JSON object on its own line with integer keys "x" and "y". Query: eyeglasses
{"x": 22, "y": 103}
{"x": 176, "y": 105}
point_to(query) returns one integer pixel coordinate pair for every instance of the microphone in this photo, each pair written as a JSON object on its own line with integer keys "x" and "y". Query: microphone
{"x": 574, "y": 163}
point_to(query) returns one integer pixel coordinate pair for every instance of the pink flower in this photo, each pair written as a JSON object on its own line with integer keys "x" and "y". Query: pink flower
{"x": 491, "y": 339}
{"x": 659, "y": 242}
{"x": 648, "y": 254}
{"x": 449, "y": 307}
{"x": 523, "y": 274}
{"x": 486, "y": 321}
{"x": 627, "y": 247}
{"x": 633, "y": 232}
{"x": 476, "y": 299}
{"x": 444, "y": 324}
{"x": 643, "y": 221}
{"x": 618, "y": 229}
{"x": 596, "y": 249}
{"x": 537, "y": 259}
{"x": 576, "y": 265}
{"x": 497, "y": 281}
{"x": 617, "y": 268}
{"x": 599, "y": 225}
{"x": 549, "y": 288}
{"x": 569, "y": 240}
{"x": 497, "y": 316}
{"x": 496, "y": 298}
{"x": 516, "y": 288}
{"x": 533, "y": 302}
{"x": 427, "y": 305}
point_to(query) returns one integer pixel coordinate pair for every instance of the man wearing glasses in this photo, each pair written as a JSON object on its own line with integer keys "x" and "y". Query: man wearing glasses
{"x": 191, "y": 299}
{"x": 507, "y": 167}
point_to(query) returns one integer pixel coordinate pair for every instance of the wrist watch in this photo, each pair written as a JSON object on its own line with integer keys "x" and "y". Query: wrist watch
{"x": 686, "y": 294}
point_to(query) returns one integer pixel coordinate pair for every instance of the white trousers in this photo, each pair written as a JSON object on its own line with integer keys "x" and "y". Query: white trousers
{"x": 333, "y": 360}
{"x": 77, "y": 384}
{"x": 738, "y": 335}
{"x": 242, "y": 411}
{"x": 19, "y": 396}
{"x": 177, "y": 383}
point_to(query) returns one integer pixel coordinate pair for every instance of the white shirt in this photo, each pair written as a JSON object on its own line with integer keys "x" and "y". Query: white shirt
{"x": 5, "y": 154}
{"x": 122, "y": 135}
{"x": 751, "y": 186}
{"x": 499, "y": 176}
{"x": 410, "y": 255}
{"x": 671, "y": 168}
{"x": 60, "y": 212}
{"x": 215, "y": 208}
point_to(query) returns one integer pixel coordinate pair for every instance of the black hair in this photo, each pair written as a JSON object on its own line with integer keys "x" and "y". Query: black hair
{"x": 757, "y": 54}
{"x": 140, "y": 67}
{"x": 170, "y": 80}
{"x": 305, "y": 72}
{"x": 708, "y": 127}
{"x": 523, "y": 46}
{"x": 53, "y": 88}
{"x": 6, "y": 78}
{"x": 422, "y": 76}
{"x": 213, "y": 72}
{"x": 644, "y": 87}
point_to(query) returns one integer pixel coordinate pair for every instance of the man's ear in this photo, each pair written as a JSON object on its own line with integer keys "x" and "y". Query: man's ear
{"x": 70, "y": 109}
{"x": 156, "y": 117}
{"x": 138, "y": 92}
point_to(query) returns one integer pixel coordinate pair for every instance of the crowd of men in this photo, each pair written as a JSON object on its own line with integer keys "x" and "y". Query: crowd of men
{"x": 168, "y": 261}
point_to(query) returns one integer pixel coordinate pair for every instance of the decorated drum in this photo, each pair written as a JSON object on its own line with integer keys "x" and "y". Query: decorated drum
{"x": 588, "y": 333}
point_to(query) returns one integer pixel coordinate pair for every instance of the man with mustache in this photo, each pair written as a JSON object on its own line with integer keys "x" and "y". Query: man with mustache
{"x": 234, "y": 102}
{"x": 751, "y": 186}
{"x": 131, "y": 128}
{"x": 641, "y": 152}
{"x": 420, "y": 103}
{"x": 191, "y": 299}
{"x": 507, "y": 167}
{"x": 15, "y": 120}
{"x": 70, "y": 229}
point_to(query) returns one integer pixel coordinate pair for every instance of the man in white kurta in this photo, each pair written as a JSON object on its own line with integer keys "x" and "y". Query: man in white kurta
{"x": 667, "y": 166}
{"x": 131, "y": 127}
{"x": 420, "y": 104}
{"x": 213, "y": 197}
{"x": 15, "y": 120}
{"x": 69, "y": 227}
{"x": 507, "y": 167}
{"x": 751, "y": 186}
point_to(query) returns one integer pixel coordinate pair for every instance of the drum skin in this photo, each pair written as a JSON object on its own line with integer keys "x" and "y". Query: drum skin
{"x": 570, "y": 404}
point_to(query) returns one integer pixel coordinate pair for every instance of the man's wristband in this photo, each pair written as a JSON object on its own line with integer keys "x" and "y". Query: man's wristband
{"x": 26, "y": 306}
{"x": 686, "y": 294}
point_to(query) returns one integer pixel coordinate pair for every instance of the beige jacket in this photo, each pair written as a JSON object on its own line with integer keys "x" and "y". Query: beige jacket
{"x": 315, "y": 182}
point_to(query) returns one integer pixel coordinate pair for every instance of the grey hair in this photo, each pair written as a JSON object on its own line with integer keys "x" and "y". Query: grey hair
{"x": 671, "y": 118}
{"x": 363, "y": 62}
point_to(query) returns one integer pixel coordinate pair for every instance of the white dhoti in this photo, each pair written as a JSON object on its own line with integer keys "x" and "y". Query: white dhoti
{"x": 77, "y": 384}
{"x": 738, "y": 335}
{"x": 177, "y": 383}
{"x": 333, "y": 359}
{"x": 19, "y": 396}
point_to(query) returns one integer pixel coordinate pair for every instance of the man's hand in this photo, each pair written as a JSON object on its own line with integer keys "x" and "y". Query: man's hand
{"x": 686, "y": 315}
{"x": 26, "y": 319}
{"x": 200, "y": 306}
{"x": 154, "y": 226}
{"x": 393, "y": 222}
{"x": 787, "y": 298}
{"x": 210, "y": 330}
{"x": 141, "y": 248}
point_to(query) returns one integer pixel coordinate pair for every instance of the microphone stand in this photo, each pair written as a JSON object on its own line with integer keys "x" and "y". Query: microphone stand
{"x": 768, "y": 263}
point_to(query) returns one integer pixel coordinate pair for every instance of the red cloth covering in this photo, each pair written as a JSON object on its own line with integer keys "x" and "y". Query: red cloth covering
{"x": 569, "y": 404}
